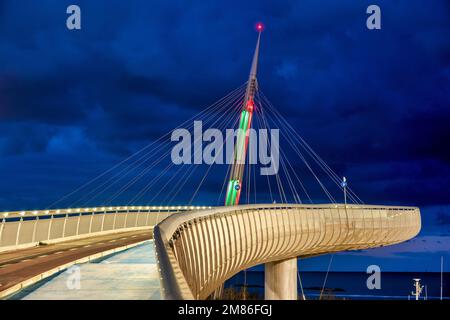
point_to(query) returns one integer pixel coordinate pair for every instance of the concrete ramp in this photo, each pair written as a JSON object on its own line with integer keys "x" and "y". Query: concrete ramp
{"x": 131, "y": 274}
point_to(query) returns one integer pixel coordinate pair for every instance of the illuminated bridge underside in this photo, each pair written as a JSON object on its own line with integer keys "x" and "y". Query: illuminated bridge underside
{"x": 198, "y": 251}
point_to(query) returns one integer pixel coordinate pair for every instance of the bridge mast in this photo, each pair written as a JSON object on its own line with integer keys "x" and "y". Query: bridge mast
{"x": 240, "y": 152}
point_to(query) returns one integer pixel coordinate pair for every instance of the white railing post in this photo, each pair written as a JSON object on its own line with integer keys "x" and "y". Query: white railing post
{"x": 157, "y": 217}
{"x": 137, "y": 219}
{"x": 33, "y": 238}
{"x": 126, "y": 220}
{"x": 18, "y": 231}
{"x": 1, "y": 230}
{"x": 114, "y": 221}
{"x": 103, "y": 220}
{"x": 78, "y": 224}
{"x": 50, "y": 227}
{"x": 146, "y": 219}
{"x": 90, "y": 222}
{"x": 64, "y": 225}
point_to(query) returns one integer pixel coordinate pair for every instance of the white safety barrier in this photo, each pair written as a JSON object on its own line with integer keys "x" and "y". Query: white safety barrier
{"x": 198, "y": 251}
{"x": 21, "y": 229}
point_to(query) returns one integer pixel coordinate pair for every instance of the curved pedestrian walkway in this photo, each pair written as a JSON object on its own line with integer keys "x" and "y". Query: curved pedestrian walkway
{"x": 130, "y": 274}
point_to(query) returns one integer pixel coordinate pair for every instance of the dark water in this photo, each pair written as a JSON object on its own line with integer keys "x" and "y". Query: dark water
{"x": 352, "y": 285}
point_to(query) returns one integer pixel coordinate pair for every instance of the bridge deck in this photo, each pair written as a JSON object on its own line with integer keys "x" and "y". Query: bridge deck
{"x": 129, "y": 274}
{"x": 18, "y": 266}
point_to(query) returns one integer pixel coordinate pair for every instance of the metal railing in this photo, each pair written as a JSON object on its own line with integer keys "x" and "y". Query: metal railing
{"x": 199, "y": 250}
{"x": 20, "y": 229}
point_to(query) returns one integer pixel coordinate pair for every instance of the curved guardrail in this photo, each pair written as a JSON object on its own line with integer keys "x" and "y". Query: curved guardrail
{"x": 20, "y": 229}
{"x": 198, "y": 251}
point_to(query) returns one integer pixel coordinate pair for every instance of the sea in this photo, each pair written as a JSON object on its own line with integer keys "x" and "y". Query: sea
{"x": 351, "y": 285}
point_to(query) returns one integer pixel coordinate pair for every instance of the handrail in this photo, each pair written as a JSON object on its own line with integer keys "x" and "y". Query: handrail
{"x": 167, "y": 275}
{"x": 107, "y": 209}
{"x": 22, "y": 229}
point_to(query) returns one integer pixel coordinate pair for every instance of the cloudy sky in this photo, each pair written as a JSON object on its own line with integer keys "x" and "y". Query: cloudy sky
{"x": 374, "y": 104}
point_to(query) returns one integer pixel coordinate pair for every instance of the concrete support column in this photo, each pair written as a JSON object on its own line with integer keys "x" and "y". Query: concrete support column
{"x": 281, "y": 280}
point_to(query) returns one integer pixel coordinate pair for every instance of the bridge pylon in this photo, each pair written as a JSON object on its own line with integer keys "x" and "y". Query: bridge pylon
{"x": 234, "y": 187}
{"x": 281, "y": 276}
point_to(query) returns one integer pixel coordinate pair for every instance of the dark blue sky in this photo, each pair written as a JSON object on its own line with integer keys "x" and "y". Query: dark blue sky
{"x": 373, "y": 104}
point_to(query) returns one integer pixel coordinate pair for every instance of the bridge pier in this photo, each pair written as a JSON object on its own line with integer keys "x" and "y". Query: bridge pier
{"x": 281, "y": 280}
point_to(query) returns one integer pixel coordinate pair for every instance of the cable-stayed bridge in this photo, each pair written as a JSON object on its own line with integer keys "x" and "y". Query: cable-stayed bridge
{"x": 245, "y": 218}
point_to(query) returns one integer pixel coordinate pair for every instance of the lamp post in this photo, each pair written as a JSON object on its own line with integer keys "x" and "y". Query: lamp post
{"x": 344, "y": 186}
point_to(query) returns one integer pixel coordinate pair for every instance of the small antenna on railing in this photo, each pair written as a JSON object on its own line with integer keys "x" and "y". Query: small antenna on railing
{"x": 344, "y": 186}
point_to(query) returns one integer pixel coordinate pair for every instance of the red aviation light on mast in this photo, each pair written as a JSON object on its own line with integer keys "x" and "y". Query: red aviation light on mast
{"x": 237, "y": 170}
{"x": 250, "y": 105}
{"x": 259, "y": 26}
